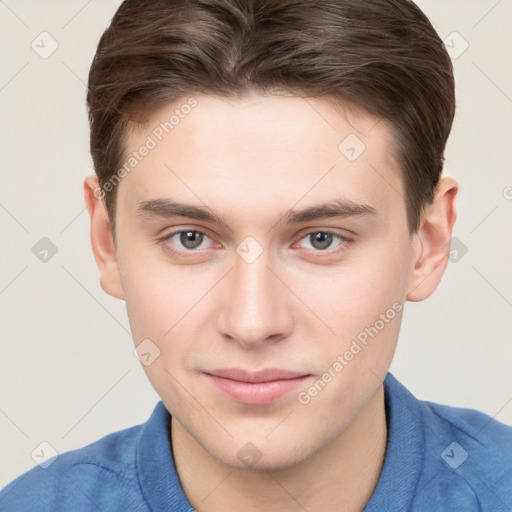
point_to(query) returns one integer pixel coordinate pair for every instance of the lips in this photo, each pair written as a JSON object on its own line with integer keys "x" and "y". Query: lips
{"x": 255, "y": 388}
{"x": 266, "y": 375}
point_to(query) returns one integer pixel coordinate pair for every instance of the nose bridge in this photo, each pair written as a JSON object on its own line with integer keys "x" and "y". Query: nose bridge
{"x": 254, "y": 303}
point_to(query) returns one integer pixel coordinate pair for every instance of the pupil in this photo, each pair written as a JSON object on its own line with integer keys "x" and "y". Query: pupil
{"x": 324, "y": 239}
{"x": 190, "y": 239}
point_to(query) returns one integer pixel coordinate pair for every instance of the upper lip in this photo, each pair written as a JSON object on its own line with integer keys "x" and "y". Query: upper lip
{"x": 265, "y": 375}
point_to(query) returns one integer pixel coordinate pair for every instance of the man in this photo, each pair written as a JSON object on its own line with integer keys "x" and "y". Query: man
{"x": 268, "y": 195}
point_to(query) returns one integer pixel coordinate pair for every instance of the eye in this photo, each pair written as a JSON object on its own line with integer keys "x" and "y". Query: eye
{"x": 322, "y": 240}
{"x": 189, "y": 239}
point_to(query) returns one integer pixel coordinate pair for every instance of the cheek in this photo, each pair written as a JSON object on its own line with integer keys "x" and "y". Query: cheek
{"x": 365, "y": 311}
{"x": 167, "y": 306}
{"x": 155, "y": 293}
{"x": 149, "y": 306}
{"x": 353, "y": 295}
{"x": 156, "y": 308}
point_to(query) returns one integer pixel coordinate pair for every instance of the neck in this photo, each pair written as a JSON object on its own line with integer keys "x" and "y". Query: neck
{"x": 341, "y": 476}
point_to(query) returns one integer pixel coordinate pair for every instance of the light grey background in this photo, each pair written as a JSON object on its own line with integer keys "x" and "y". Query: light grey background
{"x": 68, "y": 375}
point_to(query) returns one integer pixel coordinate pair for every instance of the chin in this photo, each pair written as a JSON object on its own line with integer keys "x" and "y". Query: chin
{"x": 265, "y": 456}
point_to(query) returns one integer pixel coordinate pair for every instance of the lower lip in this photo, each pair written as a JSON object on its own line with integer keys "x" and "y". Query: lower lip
{"x": 256, "y": 393}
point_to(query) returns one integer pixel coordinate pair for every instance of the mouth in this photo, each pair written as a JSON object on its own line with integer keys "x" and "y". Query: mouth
{"x": 256, "y": 388}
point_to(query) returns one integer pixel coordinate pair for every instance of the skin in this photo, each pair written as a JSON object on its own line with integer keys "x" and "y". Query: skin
{"x": 298, "y": 306}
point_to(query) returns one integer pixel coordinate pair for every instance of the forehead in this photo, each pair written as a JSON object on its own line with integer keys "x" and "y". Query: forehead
{"x": 261, "y": 149}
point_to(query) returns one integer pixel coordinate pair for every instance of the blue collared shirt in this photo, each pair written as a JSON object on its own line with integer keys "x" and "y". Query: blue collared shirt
{"x": 438, "y": 459}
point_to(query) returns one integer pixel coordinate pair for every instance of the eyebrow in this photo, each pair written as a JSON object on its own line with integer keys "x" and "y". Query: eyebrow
{"x": 335, "y": 208}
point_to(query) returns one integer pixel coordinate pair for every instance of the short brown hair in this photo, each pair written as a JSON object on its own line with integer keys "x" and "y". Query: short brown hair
{"x": 383, "y": 55}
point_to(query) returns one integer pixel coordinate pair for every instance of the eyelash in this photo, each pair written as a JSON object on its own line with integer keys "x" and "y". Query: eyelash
{"x": 344, "y": 242}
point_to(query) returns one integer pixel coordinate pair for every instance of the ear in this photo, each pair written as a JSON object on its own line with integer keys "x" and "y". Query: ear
{"x": 102, "y": 239}
{"x": 432, "y": 242}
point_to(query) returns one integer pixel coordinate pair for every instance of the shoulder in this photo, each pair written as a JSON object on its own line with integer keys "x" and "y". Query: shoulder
{"x": 475, "y": 424}
{"x": 87, "y": 478}
{"x": 483, "y": 435}
{"x": 453, "y": 458}
{"x": 470, "y": 453}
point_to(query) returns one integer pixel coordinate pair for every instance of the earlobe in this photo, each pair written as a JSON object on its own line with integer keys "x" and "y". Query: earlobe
{"x": 102, "y": 241}
{"x": 430, "y": 256}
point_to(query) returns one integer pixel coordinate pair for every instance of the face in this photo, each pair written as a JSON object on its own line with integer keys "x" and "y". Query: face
{"x": 271, "y": 305}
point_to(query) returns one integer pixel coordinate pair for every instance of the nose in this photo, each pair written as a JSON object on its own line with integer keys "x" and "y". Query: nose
{"x": 254, "y": 304}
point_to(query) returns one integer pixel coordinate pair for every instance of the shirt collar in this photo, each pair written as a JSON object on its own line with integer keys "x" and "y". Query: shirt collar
{"x": 159, "y": 482}
{"x": 405, "y": 452}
